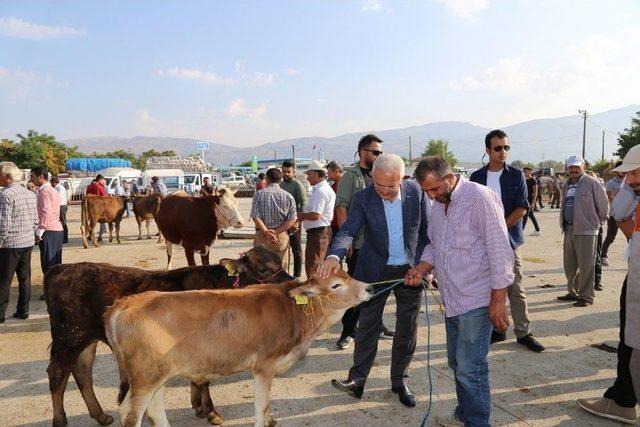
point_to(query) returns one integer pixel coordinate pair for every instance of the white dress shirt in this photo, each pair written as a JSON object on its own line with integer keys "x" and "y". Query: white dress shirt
{"x": 63, "y": 194}
{"x": 321, "y": 201}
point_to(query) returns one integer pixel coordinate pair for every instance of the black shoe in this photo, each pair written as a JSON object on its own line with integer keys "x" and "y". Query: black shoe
{"x": 2, "y": 320}
{"x": 386, "y": 332}
{"x": 497, "y": 336}
{"x": 598, "y": 287}
{"x": 531, "y": 343}
{"x": 405, "y": 396}
{"x": 343, "y": 343}
{"x": 43, "y": 298}
{"x": 582, "y": 303}
{"x": 354, "y": 388}
{"x": 567, "y": 297}
{"x": 23, "y": 316}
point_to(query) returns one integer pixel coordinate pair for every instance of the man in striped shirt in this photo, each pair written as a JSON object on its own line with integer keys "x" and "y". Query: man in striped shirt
{"x": 473, "y": 260}
{"x": 18, "y": 220}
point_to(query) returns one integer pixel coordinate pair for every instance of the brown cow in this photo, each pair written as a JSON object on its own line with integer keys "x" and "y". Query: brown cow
{"x": 145, "y": 208}
{"x": 193, "y": 222}
{"x": 156, "y": 336}
{"x": 78, "y": 294}
{"x": 99, "y": 209}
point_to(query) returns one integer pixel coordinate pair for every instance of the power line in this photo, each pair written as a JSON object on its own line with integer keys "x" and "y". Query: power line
{"x": 602, "y": 127}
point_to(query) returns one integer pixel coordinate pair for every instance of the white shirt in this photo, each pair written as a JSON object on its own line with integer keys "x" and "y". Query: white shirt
{"x": 321, "y": 201}
{"x": 63, "y": 194}
{"x": 493, "y": 182}
{"x": 119, "y": 190}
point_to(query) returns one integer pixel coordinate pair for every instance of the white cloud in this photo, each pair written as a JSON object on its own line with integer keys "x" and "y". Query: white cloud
{"x": 20, "y": 29}
{"x": 507, "y": 74}
{"x": 20, "y": 84}
{"x": 237, "y": 109}
{"x": 291, "y": 71}
{"x": 240, "y": 66}
{"x": 374, "y": 6}
{"x": 195, "y": 74}
{"x": 262, "y": 79}
{"x": 464, "y": 8}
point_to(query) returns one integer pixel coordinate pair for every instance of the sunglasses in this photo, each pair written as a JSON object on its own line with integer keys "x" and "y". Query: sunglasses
{"x": 374, "y": 152}
{"x": 499, "y": 148}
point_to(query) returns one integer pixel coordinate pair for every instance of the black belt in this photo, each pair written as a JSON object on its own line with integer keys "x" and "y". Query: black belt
{"x": 318, "y": 229}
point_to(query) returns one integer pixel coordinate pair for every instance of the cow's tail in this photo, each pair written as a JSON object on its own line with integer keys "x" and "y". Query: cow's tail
{"x": 111, "y": 322}
{"x": 83, "y": 221}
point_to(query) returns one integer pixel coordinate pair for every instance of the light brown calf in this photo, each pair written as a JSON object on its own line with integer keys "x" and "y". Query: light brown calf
{"x": 99, "y": 209}
{"x": 202, "y": 335}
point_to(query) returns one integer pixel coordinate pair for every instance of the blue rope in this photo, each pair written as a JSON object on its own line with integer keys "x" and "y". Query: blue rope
{"x": 425, "y": 419}
{"x": 387, "y": 289}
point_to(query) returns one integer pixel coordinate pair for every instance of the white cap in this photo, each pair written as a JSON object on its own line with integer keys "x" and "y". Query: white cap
{"x": 631, "y": 161}
{"x": 315, "y": 166}
{"x": 575, "y": 161}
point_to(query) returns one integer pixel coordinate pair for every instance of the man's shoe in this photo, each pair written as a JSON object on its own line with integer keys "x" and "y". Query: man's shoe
{"x": 598, "y": 287}
{"x": 531, "y": 343}
{"x": 568, "y": 297}
{"x": 607, "y": 408}
{"x": 605, "y": 261}
{"x": 386, "y": 332}
{"x": 343, "y": 343}
{"x": 497, "y": 336}
{"x": 2, "y": 320}
{"x": 448, "y": 422}
{"x": 354, "y": 388}
{"x": 405, "y": 396}
{"x": 23, "y": 316}
{"x": 535, "y": 233}
{"x": 582, "y": 303}
{"x": 43, "y": 297}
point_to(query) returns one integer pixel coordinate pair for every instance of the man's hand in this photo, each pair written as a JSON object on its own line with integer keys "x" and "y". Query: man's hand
{"x": 328, "y": 267}
{"x": 295, "y": 227}
{"x": 498, "y": 310}
{"x": 270, "y": 235}
{"x": 415, "y": 275}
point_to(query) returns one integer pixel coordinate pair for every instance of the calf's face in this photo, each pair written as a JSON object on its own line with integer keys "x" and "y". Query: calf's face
{"x": 227, "y": 210}
{"x": 339, "y": 288}
{"x": 259, "y": 264}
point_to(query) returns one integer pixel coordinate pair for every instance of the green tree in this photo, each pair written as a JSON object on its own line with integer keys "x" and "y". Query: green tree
{"x": 557, "y": 165}
{"x": 440, "y": 147}
{"x": 629, "y": 137}
{"x": 36, "y": 149}
{"x": 7, "y": 150}
{"x": 245, "y": 164}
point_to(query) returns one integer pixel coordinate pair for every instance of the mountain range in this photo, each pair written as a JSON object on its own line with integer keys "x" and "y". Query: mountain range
{"x": 534, "y": 140}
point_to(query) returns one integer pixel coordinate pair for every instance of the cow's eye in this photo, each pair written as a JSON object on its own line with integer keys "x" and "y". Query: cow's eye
{"x": 336, "y": 286}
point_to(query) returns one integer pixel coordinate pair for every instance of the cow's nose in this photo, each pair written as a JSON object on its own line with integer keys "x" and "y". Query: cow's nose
{"x": 369, "y": 289}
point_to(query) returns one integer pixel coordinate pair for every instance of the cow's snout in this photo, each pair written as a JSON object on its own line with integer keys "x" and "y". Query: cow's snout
{"x": 238, "y": 223}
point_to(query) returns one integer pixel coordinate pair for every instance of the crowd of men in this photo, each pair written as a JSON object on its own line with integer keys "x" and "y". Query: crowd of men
{"x": 388, "y": 228}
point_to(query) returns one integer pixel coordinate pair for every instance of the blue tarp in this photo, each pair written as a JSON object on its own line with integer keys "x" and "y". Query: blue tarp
{"x": 92, "y": 164}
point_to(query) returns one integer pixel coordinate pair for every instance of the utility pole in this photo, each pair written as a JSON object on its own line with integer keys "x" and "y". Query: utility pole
{"x": 603, "y": 144}
{"x": 410, "y": 154}
{"x": 584, "y": 131}
{"x": 293, "y": 153}
{"x": 274, "y": 155}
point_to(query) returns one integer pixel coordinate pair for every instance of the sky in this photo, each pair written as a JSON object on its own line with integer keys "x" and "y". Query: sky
{"x": 244, "y": 73}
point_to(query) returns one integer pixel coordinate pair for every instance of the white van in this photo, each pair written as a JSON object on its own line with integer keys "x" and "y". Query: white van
{"x": 172, "y": 178}
{"x": 234, "y": 181}
{"x": 115, "y": 176}
{"x": 193, "y": 181}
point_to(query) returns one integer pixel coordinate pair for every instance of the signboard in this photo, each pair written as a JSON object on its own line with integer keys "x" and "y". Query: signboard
{"x": 254, "y": 163}
{"x": 202, "y": 146}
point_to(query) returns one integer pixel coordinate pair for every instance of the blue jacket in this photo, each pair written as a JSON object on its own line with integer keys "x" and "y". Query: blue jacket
{"x": 514, "y": 195}
{"x": 367, "y": 211}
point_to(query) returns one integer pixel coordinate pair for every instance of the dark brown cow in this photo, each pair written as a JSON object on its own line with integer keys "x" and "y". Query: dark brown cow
{"x": 99, "y": 209}
{"x": 78, "y": 294}
{"x": 193, "y": 222}
{"x": 145, "y": 208}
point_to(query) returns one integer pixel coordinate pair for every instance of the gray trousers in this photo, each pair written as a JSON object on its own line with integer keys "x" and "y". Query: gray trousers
{"x": 518, "y": 299}
{"x": 370, "y": 324}
{"x": 634, "y": 368}
{"x": 579, "y": 263}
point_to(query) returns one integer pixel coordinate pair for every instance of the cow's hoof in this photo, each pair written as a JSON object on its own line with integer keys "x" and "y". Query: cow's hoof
{"x": 148, "y": 237}
{"x": 215, "y": 418}
{"x": 272, "y": 423}
{"x": 60, "y": 422}
{"x": 104, "y": 419}
{"x": 200, "y": 413}
{"x": 139, "y": 238}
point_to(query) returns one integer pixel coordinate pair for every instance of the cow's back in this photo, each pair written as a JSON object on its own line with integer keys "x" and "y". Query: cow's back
{"x": 104, "y": 208}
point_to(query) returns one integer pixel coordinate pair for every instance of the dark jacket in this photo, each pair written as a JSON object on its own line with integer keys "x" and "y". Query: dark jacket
{"x": 514, "y": 195}
{"x": 367, "y": 212}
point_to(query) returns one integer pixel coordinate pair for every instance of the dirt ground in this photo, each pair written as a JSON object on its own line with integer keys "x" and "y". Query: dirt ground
{"x": 526, "y": 388}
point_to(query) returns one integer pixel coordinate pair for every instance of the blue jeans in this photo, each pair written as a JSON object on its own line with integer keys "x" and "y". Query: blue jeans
{"x": 468, "y": 337}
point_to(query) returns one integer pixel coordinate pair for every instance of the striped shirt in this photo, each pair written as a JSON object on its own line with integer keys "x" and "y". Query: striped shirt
{"x": 18, "y": 217}
{"x": 469, "y": 247}
{"x": 273, "y": 206}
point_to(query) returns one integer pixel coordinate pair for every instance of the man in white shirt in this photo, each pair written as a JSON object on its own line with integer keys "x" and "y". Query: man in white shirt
{"x": 55, "y": 182}
{"x": 317, "y": 217}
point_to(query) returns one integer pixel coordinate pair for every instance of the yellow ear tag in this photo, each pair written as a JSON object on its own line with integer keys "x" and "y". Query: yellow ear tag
{"x": 302, "y": 299}
{"x": 231, "y": 270}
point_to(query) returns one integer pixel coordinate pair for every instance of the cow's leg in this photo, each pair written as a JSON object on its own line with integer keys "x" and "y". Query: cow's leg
{"x": 139, "y": 221}
{"x": 110, "y": 232}
{"x": 169, "y": 254}
{"x": 92, "y": 232}
{"x": 148, "y": 223}
{"x": 156, "y": 411}
{"x": 205, "y": 259}
{"x": 262, "y": 393}
{"x": 58, "y": 377}
{"x": 134, "y": 405}
{"x": 191, "y": 259}
{"x": 83, "y": 374}
{"x": 212, "y": 415}
{"x": 117, "y": 225}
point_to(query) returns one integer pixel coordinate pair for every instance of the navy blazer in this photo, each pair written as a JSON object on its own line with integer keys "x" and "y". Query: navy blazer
{"x": 367, "y": 211}
{"x": 513, "y": 189}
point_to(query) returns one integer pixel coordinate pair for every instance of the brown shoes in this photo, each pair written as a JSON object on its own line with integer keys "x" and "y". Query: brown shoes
{"x": 607, "y": 408}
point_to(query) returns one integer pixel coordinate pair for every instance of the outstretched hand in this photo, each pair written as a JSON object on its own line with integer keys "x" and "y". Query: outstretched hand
{"x": 328, "y": 267}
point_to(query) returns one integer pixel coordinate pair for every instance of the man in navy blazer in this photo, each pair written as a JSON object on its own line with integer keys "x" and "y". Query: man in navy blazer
{"x": 393, "y": 214}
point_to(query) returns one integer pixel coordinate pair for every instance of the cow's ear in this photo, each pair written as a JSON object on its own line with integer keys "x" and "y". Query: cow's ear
{"x": 304, "y": 290}
{"x": 233, "y": 266}
{"x": 220, "y": 192}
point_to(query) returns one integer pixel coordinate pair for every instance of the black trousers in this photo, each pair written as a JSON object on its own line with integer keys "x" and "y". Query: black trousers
{"x": 50, "y": 249}
{"x": 621, "y": 391}
{"x": 539, "y": 198}
{"x": 370, "y": 324}
{"x": 531, "y": 215}
{"x": 350, "y": 317}
{"x": 18, "y": 261}
{"x": 63, "y": 220}
{"x": 612, "y": 232}
{"x": 598, "y": 276}
{"x": 295, "y": 241}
